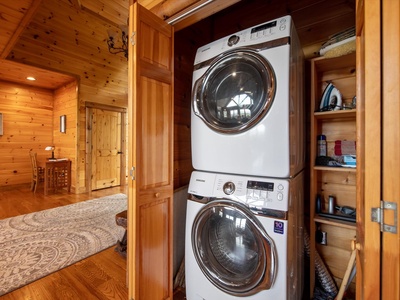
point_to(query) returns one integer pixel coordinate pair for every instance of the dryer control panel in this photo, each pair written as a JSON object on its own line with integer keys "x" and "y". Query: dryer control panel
{"x": 262, "y": 33}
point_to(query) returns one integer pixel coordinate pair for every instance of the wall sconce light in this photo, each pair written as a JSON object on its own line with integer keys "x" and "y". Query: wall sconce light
{"x": 50, "y": 148}
{"x": 63, "y": 123}
{"x": 112, "y": 40}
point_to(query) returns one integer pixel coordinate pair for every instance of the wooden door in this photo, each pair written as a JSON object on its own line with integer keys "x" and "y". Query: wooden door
{"x": 106, "y": 148}
{"x": 368, "y": 147}
{"x": 378, "y": 170}
{"x": 151, "y": 156}
{"x": 391, "y": 144}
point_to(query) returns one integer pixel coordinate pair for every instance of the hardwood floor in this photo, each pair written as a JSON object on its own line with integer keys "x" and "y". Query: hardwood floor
{"x": 101, "y": 276}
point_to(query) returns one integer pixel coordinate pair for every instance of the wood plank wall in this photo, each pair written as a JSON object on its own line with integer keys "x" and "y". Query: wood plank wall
{"x": 27, "y": 126}
{"x": 66, "y": 103}
{"x": 31, "y": 122}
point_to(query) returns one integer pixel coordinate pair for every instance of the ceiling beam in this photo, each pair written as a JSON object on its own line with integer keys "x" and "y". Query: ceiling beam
{"x": 21, "y": 26}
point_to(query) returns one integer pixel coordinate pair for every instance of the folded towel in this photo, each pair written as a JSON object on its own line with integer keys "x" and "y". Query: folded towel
{"x": 345, "y": 147}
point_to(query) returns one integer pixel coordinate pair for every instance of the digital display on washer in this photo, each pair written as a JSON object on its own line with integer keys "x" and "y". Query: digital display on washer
{"x": 263, "y": 27}
{"x": 260, "y": 185}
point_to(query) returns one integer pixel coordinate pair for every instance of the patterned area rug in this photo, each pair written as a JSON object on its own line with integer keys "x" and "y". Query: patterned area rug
{"x": 37, "y": 244}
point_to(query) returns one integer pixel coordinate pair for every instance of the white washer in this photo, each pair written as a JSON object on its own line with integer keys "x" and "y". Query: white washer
{"x": 247, "y": 103}
{"x": 243, "y": 238}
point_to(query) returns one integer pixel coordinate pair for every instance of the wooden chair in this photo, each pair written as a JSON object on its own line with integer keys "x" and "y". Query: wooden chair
{"x": 37, "y": 172}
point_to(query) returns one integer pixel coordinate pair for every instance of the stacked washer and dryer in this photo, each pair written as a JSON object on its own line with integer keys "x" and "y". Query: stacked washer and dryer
{"x": 244, "y": 221}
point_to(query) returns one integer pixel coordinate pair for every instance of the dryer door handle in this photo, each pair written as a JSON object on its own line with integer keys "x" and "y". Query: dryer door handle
{"x": 195, "y": 100}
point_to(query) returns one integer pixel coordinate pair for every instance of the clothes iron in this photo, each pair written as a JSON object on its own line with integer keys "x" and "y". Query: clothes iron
{"x": 331, "y": 99}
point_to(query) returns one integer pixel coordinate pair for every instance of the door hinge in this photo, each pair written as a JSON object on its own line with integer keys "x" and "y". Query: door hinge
{"x": 132, "y": 173}
{"x": 378, "y": 213}
{"x": 133, "y": 39}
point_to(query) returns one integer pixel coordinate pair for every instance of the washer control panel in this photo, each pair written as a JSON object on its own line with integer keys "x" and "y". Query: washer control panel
{"x": 260, "y": 192}
{"x": 256, "y": 192}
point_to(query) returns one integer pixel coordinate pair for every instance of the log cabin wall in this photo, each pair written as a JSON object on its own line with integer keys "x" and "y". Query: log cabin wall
{"x": 64, "y": 38}
{"x": 27, "y": 126}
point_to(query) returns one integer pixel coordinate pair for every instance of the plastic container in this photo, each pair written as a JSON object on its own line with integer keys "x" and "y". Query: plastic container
{"x": 321, "y": 145}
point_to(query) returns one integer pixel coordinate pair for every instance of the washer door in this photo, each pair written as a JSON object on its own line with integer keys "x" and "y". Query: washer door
{"x": 235, "y": 92}
{"x": 233, "y": 249}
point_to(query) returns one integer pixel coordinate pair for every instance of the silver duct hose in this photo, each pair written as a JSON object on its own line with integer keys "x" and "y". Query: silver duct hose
{"x": 323, "y": 276}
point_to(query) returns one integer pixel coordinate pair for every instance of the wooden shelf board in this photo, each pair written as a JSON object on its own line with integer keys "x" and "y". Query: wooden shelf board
{"x": 334, "y": 222}
{"x": 336, "y": 114}
{"x": 324, "y": 64}
{"x": 335, "y": 169}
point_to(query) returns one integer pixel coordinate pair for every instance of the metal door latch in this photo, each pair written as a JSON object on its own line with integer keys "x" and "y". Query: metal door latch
{"x": 377, "y": 216}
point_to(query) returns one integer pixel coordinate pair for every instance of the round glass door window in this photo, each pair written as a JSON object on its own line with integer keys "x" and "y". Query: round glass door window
{"x": 232, "y": 248}
{"x": 235, "y": 92}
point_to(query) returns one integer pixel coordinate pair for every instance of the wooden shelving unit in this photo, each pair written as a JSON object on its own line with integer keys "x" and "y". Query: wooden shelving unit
{"x": 325, "y": 180}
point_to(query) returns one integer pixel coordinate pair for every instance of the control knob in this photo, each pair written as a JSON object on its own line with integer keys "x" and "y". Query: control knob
{"x": 233, "y": 40}
{"x": 229, "y": 188}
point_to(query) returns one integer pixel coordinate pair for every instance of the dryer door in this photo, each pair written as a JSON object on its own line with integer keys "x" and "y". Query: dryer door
{"x": 232, "y": 248}
{"x": 235, "y": 92}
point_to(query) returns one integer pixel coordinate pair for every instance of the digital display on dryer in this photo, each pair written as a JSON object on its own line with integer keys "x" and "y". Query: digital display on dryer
{"x": 260, "y": 185}
{"x": 263, "y": 27}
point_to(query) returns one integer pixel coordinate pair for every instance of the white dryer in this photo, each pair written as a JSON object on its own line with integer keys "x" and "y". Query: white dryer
{"x": 243, "y": 238}
{"x": 247, "y": 103}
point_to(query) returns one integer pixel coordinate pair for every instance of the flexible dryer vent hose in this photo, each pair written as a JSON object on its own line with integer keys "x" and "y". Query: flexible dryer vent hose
{"x": 327, "y": 283}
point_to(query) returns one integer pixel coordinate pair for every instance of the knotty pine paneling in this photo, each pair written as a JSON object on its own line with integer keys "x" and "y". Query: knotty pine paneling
{"x": 66, "y": 103}
{"x": 31, "y": 123}
{"x": 27, "y": 126}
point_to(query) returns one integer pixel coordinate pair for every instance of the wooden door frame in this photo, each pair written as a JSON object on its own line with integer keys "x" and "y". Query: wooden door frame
{"x": 89, "y": 106}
